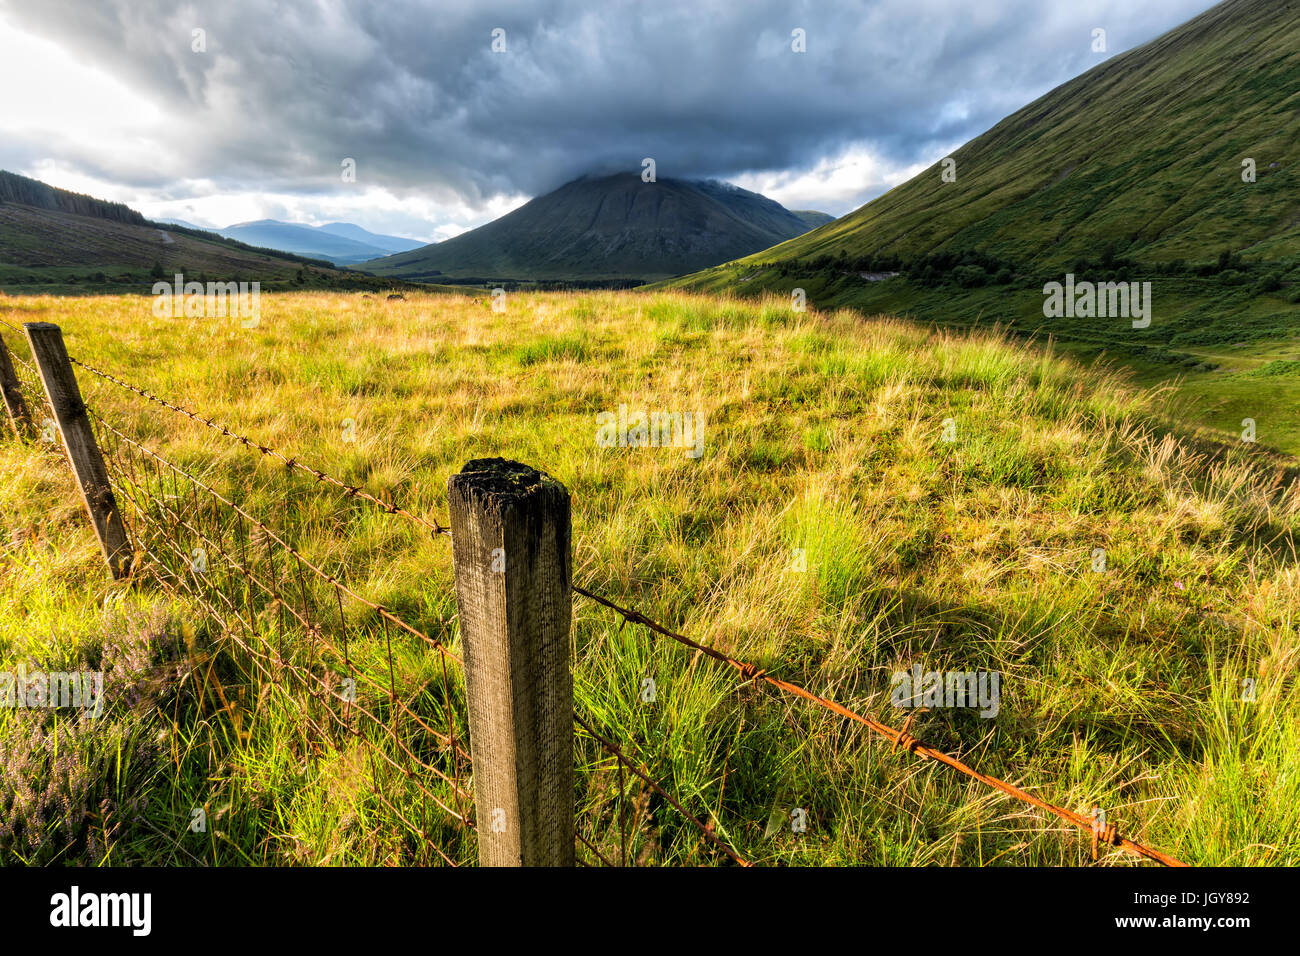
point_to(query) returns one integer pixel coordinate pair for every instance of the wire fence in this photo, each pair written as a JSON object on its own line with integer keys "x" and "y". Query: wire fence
{"x": 308, "y": 636}
{"x": 315, "y": 640}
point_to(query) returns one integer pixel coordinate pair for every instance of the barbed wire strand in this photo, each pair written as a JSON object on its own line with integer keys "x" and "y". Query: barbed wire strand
{"x": 243, "y": 569}
{"x": 353, "y": 490}
{"x": 435, "y": 526}
{"x": 277, "y": 595}
{"x": 900, "y": 738}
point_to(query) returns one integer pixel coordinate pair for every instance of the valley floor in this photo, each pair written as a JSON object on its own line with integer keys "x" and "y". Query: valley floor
{"x": 869, "y": 496}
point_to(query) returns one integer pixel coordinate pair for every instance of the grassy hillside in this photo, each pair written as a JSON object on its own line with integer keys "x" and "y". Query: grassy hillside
{"x": 1131, "y": 172}
{"x": 52, "y": 240}
{"x": 1144, "y": 151}
{"x": 824, "y": 435}
{"x": 812, "y": 219}
{"x": 607, "y": 228}
{"x": 1212, "y": 337}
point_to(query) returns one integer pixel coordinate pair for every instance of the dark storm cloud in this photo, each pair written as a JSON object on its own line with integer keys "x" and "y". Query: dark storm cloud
{"x": 413, "y": 92}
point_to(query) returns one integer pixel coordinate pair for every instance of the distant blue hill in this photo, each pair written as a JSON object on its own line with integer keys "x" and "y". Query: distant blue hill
{"x": 342, "y": 243}
{"x": 184, "y": 222}
{"x": 352, "y": 231}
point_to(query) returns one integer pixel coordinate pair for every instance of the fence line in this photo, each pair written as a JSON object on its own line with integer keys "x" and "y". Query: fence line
{"x": 137, "y": 489}
{"x": 1101, "y": 834}
{"x": 260, "y": 587}
{"x": 1108, "y": 834}
{"x": 433, "y": 525}
{"x": 167, "y": 503}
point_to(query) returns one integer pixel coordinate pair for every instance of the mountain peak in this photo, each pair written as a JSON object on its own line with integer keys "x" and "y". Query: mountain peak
{"x": 609, "y": 226}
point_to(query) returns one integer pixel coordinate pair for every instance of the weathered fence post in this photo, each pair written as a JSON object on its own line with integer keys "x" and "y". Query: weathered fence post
{"x": 512, "y": 552}
{"x": 19, "y": 417}
{"x": 70, "y": 416}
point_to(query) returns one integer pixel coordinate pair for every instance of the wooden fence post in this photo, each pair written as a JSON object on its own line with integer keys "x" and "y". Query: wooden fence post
{"x": 46, "y": 340}
{"x": 512, "y": 551}
{"x": 19, "y": 417}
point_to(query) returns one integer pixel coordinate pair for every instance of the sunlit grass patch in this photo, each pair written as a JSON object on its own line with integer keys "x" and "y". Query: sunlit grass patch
{"x": 832, "y": 530}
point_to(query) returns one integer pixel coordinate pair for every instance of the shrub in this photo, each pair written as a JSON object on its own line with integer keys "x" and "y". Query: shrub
{"x": 970, "y": 277}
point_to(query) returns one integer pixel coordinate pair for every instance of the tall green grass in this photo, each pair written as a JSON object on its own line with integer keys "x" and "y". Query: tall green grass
{"x": 828, "y": 533}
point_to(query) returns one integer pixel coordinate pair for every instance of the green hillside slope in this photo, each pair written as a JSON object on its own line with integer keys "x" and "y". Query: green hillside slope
{"x": 1131, "y": 172}
{"x": 1144, "y": 151}
{"x": 53, "y": 240}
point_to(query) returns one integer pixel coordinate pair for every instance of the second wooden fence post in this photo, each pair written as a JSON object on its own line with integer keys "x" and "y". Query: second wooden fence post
{"x": 70, "y": 415}
{"x": 512, "y": 550}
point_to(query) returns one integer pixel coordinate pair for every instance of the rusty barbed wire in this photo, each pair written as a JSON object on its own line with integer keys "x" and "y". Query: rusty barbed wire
{"x": 271, "y": 536}
{"x": 324, "y": 575}
{"x": 751, "y": 673}
{"x": 29, "y": 380}
{"x": 112, "y": 438}
{"x": 280, "y": 603}
{"x": 899, "y": 737}
{"x": 706, "y": 829}
{"x": 165, "y": 517}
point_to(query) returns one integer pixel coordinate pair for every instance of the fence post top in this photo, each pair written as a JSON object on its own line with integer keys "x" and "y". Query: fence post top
{"x": 40, "y": 326}
{"x": 500, "y": 483}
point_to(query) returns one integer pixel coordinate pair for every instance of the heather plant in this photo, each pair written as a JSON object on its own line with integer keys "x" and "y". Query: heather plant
{"x": 68, "y": 775}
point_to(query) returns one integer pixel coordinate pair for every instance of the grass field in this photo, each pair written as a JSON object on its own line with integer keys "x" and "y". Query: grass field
{"x": 824, "y": 434}
{"x": 1229, "y": 351}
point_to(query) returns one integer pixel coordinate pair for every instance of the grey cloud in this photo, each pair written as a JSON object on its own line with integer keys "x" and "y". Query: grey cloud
{"x": 412, "y": 91}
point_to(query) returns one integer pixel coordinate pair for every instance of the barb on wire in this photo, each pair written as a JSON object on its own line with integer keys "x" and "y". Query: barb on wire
{"x": 324, "y": 575}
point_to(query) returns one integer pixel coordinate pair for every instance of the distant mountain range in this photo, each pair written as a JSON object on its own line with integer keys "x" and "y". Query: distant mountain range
{"x": 340, "y": 242}
{"x": 595, "y": 228}
{"x": 612, "y": 227}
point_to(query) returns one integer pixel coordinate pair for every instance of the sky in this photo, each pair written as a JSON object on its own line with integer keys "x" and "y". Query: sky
{"x": 454, "y": 113}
